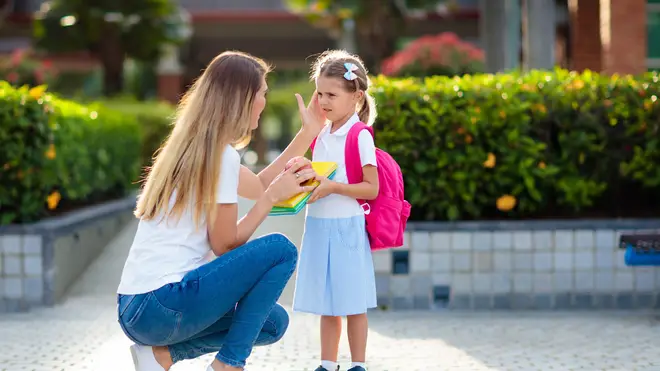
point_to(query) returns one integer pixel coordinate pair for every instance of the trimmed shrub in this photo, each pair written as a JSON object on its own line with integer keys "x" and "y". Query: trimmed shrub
{"x": 535, "y": 145}
{"x": 155, "y": 120}
{"x": 22, "y": 69}
{"x": 57, "y": 154}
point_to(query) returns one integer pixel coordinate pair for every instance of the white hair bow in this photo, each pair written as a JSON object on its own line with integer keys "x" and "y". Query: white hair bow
{"x": 350, "y": 75}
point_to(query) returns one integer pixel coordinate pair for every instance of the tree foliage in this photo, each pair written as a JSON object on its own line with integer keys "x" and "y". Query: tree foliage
{"x": 378, "y": 22}
{"x": 111, "y": 30}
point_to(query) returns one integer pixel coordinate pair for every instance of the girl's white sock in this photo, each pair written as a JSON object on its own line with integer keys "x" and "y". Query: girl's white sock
{"x": 361, "y": 364}
{"x": 329, "y": 365}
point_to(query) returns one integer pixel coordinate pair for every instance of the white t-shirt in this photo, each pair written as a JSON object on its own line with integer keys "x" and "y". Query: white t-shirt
{"x": 164, "y": 251}
{"x": 330, "y": 147}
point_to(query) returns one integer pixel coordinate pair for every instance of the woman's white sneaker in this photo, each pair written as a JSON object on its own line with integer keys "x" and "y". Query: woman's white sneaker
{"x": 144, "y": 359}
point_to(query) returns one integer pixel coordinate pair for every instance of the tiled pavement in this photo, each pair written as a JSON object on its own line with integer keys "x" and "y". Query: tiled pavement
{"x": 82, "y": 334}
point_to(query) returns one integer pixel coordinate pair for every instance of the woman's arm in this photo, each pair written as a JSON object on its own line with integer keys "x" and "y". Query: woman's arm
{"x": 249, "y": 184}
{"x": 298, "y": 146}
{"x": 313, "y": 120}
{"x": 226, "y": 232}
{"x": 252, "y": 185}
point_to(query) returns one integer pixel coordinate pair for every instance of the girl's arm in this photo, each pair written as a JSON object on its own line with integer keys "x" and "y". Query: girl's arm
{"x": 367, "y": 190}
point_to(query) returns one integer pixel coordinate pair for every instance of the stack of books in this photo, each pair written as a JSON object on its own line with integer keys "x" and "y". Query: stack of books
{"x": 296, "y": 203}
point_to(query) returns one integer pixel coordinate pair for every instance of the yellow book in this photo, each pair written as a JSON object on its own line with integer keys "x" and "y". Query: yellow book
{"x": 325, "y": 169}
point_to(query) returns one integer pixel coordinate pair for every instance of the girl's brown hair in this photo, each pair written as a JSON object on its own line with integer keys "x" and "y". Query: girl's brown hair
{"x": 331, "y": 64}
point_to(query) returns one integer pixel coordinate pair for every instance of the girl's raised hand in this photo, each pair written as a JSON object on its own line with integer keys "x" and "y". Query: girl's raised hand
{"x": 313, "y": 117}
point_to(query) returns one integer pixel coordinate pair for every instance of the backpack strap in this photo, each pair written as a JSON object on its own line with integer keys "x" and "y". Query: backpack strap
{"x": 311, "y": 146}
{"x": 352, "y": 154}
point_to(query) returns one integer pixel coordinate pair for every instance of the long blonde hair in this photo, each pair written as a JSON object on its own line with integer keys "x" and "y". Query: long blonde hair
{"x": 215, "y": 112}
{"x": 331, "y": 64}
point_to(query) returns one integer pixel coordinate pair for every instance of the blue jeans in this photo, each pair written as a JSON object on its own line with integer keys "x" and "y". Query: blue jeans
{"x": 227, "y": 305}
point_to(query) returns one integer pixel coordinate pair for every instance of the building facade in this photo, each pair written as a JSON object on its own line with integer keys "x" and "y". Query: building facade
{"x": 653, "y": 35}
{"x": 615, "y": 36}
{"x": 610, "y": 36}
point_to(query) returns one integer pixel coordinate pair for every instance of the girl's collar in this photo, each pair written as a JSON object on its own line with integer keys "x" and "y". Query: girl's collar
{"x": 343, "y": 130}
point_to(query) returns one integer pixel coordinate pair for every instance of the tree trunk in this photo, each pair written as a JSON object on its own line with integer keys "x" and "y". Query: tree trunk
{"x": 379, "y": 28}
{"x": 259, "y": 145}
{"x": 111, "y": 54}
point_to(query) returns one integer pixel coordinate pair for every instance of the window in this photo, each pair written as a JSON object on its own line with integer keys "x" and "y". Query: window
{"x": 653, "y": 34}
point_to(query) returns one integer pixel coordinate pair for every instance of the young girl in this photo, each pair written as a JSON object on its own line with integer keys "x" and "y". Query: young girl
{"x": 336, "y": 274}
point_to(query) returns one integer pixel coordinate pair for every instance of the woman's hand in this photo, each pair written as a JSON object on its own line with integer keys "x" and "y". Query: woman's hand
{"x": 313, "y": 117}
{"x": 289, "y": 183}
{"x": 325, "y": 188}
{"x": 306, "y": 163}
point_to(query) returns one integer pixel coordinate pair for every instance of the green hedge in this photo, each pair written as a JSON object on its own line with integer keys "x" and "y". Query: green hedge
{"x": 56, "y": 154}
{"x": 558, "y": 143}
{"x": 154, "y": 117}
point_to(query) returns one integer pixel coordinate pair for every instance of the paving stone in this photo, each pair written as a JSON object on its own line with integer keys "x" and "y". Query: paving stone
{"x": 82, "y": 332}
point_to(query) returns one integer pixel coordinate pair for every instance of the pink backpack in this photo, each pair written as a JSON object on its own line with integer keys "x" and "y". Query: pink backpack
{"x": 386, "y": 215}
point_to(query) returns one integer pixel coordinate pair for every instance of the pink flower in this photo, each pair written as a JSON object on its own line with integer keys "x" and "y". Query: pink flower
{"x": 12, "y": 77}
{"x": 443, "y": 51}
{"x": 39, "y": 76}
{"x": 17, "y": 57}
{"x": 448, "y": 38}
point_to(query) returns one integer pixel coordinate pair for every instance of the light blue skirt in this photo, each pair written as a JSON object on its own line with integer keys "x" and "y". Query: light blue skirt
{"x": 335, "y": 271}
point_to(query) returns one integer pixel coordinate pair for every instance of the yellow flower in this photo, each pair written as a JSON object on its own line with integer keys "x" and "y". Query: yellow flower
{"x": 502, "y": 114}
{"x": 541, "y": 165}
{"x": 53, "y": 200}
{"x": 506, "y": 203}
{"x": 490, "y": 162}
{"x": 541, "y": 108}
{"x": 345, "y": 13}
{"x": 37, "y": 91}
{"x": 51, "y": 154}
{"x": 575, "y": 85}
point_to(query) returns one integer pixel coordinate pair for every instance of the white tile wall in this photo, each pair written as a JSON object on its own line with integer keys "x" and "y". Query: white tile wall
{"x": 521, "y": 262}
